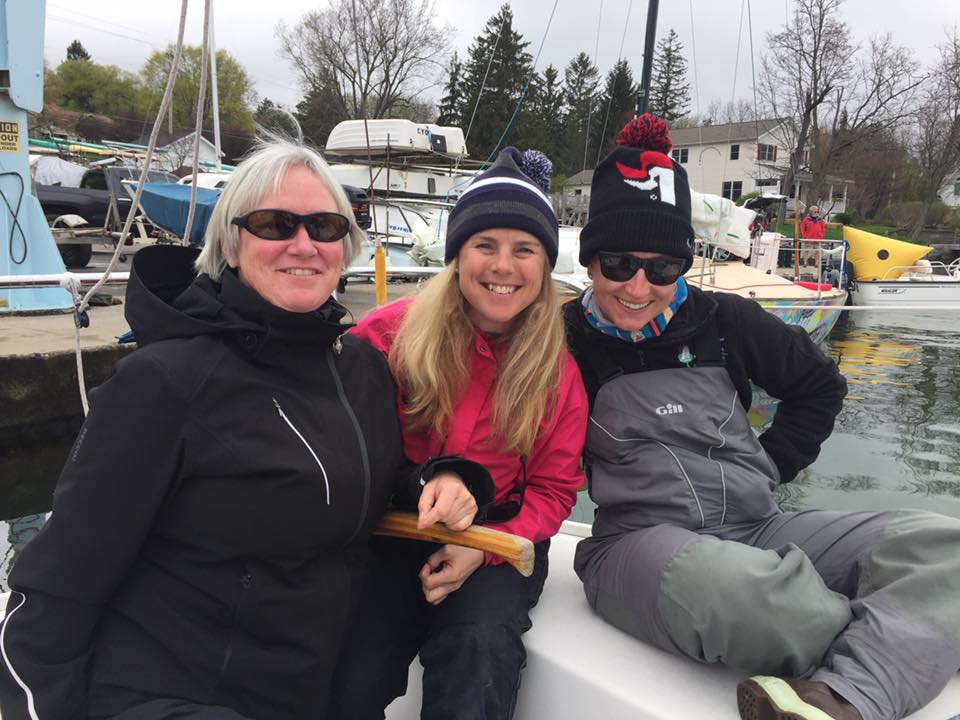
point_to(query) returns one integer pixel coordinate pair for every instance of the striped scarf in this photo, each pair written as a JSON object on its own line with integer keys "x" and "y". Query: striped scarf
{"x": 654, "y": 328}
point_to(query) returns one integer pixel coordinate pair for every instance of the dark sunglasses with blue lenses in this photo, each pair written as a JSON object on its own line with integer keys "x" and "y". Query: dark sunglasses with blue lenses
{"x": 621, "y": 267}
{"x": 271, "y": 224}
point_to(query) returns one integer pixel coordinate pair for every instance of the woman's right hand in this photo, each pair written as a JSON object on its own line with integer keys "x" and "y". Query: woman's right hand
{"x": 446, "y": 499}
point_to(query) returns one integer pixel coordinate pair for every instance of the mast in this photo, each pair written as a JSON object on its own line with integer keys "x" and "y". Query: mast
{"x": 644, "y": 95}
{"x": 213, "y": 87}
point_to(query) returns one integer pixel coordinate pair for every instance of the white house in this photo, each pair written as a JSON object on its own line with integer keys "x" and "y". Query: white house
{"x": 739, "y": 158}
{"x": 950, "y": 190}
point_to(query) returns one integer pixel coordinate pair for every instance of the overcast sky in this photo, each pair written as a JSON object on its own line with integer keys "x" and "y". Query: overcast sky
{"x": 125, "y": 32}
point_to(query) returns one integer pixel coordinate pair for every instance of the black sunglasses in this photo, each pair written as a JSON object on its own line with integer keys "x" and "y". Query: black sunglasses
{"x": 620, "y": 267}
{"x": 269, "y": 224}
{"x": 510, "y": 508}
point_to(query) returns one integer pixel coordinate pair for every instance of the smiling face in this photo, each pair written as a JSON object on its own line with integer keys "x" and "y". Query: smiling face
{"x": 298, "y": 274}
{"x": 632, "y": 304}
{"x": 501, "y": 272}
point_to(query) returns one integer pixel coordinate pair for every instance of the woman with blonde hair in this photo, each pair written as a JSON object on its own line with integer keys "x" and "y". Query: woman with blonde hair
{"x": 482, "y": 372}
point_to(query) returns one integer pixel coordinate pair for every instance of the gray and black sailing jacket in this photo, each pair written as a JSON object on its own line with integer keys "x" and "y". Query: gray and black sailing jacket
{"x": 755, "y": 347}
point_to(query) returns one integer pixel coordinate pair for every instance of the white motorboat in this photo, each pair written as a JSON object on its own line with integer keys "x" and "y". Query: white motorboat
{"x": 926, "y": 283}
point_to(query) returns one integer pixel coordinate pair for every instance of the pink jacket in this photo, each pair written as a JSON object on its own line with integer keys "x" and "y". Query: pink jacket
{"x": 553, "y": 466}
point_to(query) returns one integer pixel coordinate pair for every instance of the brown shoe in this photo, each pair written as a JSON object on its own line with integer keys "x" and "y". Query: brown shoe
{"x": 772, "y": 698}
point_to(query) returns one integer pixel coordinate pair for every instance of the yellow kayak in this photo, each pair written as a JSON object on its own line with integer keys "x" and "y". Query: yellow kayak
{"x": 876, "y": 257}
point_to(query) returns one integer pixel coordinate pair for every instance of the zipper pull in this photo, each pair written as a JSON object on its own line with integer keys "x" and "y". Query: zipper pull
{"x": 338, "y": 345}
{"x": 276, "y": 404}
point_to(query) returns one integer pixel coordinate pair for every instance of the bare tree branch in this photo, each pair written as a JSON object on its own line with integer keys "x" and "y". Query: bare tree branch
{"x": 375, "y": 61}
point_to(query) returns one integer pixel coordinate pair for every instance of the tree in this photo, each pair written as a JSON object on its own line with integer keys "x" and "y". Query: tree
{"x": 318, "y": 113}
{"x": 76, "y": 51}
{"x": 370, "y": 56}
{"x": 615, "y": 109}
{"x": 102, "y": 89}
{"x": 936, "y": 142}
{"x": 669, "y": 89}
{"x": 828, "y": 92}
{"x": 234, "y": 85}
{"x": 581, "y": 78}
{"x": 450, "y": 104}
{"x": 546, "y": 104}
{"x": 494, "y": 78}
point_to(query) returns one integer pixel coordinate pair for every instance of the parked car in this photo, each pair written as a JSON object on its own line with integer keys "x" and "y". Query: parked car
{"x": 360, "y": 202}
{"x": 91, "y": 201}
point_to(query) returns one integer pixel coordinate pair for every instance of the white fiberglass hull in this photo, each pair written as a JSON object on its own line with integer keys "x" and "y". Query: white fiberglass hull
{"x": 579, "y": 667}
{"x": 906, "y": 292}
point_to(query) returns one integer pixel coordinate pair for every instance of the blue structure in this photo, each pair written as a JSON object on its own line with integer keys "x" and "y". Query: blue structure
{"x": 26, "y": 245}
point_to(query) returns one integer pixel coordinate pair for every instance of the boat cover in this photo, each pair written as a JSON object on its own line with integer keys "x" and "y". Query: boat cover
{"x": 167, "y": 205}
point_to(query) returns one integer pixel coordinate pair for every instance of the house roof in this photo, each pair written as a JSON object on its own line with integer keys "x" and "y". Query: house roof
{"x": 728, "y": 133}
{"x": 584, "y": 177}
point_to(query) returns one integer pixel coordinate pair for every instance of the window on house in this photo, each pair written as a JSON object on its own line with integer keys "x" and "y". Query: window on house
{"x": 766, "y": 182}
{"x": 733, "y": 190}
{"x": 767, "y": 153}
{"x": 956, "y": 188}
{"x": 734, "y": 152}
{"x": 681, "y": 155}
{"x": 805, "y": 161}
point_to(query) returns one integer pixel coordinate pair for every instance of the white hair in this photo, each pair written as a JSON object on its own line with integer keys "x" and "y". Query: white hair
{"x": 259, "y": 174}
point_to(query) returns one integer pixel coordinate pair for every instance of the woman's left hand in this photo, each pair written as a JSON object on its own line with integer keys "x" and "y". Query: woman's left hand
{"x": 446, "y": 499}
{"x": 447, "y": 569}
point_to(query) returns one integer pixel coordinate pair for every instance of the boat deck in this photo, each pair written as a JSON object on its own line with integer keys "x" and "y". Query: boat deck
{"x": 579, "y": 667}
{"x": 735, "y": 277}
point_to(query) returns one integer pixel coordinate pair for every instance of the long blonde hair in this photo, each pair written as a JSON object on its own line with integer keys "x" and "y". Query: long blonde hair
{"x": 429, "y": 360}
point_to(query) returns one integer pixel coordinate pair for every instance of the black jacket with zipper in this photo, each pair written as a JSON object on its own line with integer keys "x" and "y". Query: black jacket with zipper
{"x": 758, "y": 348}
{"x": 211, "y": 521}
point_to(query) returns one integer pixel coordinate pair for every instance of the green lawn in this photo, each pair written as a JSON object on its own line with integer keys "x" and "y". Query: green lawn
{"x": 835, "y": 232}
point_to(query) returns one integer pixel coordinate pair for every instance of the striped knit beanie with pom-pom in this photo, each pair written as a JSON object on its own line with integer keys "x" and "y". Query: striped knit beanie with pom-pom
{"x": 511, "y": 194}
{"x": 639, "y": 197}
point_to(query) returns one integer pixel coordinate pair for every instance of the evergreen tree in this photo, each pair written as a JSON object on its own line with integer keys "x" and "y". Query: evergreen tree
{"x": 669, "y": 89}
{"x": 76, "y": 51}
{"x": 545, "y": 133}
{"x": 581, "y": 78}
{"x": 615, "y": 109}
{"x": 318, "y": 113}
{"x": 448, "y": 113}
{"x": 509, "y": 69}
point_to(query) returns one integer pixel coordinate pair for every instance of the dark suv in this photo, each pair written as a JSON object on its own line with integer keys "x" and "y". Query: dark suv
{"x": 360, "y": 202}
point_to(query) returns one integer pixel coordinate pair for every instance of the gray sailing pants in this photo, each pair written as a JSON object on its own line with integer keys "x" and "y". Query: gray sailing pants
{"x": 868, "y": 602}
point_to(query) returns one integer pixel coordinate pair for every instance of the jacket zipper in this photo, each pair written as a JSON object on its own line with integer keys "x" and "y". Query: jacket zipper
{"x": 326, "y": 480}
{"x": 364, "y": 459}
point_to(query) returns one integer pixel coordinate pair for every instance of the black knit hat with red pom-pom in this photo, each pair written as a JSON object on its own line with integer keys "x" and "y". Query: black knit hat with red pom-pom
{"x": 639, "y": 197}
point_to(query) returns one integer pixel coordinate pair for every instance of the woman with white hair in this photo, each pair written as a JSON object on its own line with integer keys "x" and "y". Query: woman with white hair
{"x": 210, "y": 525}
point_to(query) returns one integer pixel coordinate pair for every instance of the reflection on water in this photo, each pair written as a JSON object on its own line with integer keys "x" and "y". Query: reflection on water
{"x": 897, "y": 442}
{"x": 895, "y": 445}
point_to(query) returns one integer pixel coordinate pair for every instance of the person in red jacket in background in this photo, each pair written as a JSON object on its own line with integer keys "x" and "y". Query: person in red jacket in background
{"x": 812, "y": 228}
{"x": 482, "y": 371}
